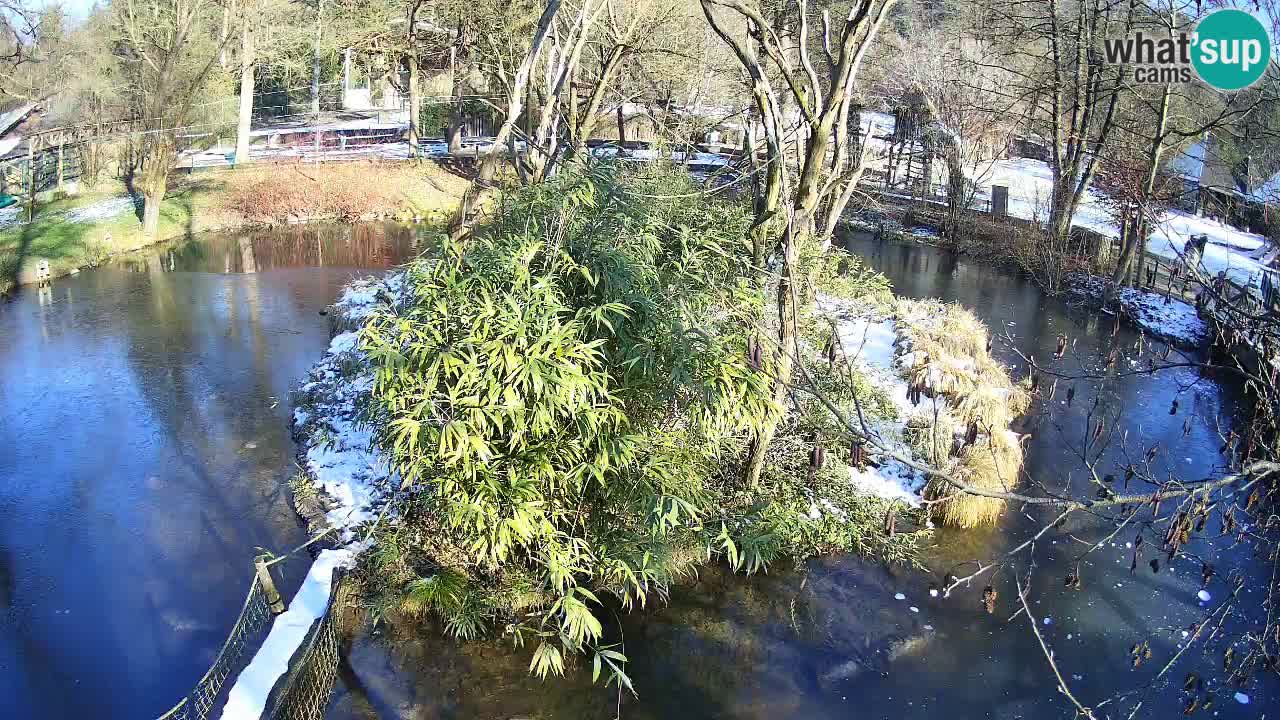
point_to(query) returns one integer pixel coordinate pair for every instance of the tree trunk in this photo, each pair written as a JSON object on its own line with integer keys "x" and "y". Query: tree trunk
{"x": 783, "y": 367}
{"x": 316, "y": 141}
{"x": 315, "y": 61}
{"x": 244, "y": 121}
{"x": 584, "y": 118}
{"x": 464, "y": 217}
{"x": 956, "y": 199}
{"x": 1123, "y": 263}
{"x": 1061, "y": 210}
{"x": 415, "y": 105}
{"x": 622, "y": 118}
{"x": 226, "y": 29}
{"x": 1137, "y": 244}
{"x": 153, "y": 196}
{"x": 456, "y": 118}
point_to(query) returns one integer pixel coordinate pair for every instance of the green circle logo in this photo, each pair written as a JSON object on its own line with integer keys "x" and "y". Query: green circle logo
{"x": 1231, "y": 49}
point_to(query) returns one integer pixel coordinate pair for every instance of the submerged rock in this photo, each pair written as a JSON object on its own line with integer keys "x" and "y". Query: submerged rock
{"x": 912, "y": 645}
{"x": 846, "y": 670}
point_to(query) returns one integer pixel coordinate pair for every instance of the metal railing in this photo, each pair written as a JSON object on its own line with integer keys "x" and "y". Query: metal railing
{"x": 311, "y": 678}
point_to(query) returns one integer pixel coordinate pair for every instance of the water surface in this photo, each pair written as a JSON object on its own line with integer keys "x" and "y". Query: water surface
{"x": 144, "y": 454}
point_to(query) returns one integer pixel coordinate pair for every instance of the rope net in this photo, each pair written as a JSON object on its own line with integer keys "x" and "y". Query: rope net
{"x": 306, "y": 692}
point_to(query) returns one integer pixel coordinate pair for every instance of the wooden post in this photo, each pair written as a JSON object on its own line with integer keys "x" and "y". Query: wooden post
{"x": 268, "y": 584}
{"x": 60, "y": 167}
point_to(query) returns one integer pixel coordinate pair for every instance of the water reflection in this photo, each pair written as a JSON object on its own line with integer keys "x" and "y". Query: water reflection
{"x": 367, "y": 245}
{"x": 144, "y": 421}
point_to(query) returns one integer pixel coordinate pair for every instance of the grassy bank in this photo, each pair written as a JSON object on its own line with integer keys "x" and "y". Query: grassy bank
{"x": 83, "y": 230}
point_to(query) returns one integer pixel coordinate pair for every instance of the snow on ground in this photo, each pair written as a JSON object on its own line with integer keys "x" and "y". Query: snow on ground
{"x": 1229, "y": 250}
{"x": 338, "y": 449}
{"x": 871, "y": 343}
{"x": 87, "y": 213}
{"x": 10, "y": 215}
{"x": 1030, "y": 185}
{"x": 100, "y": 210}
{"x": 1162, "y": 316}
{"x": 248, "y": 697}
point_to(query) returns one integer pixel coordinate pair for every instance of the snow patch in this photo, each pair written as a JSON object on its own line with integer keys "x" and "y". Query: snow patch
{"x": 11, "y": 215}
{"x": 1165, "y": 317}
{"x": 872, "y": 344}
{"x": 100, "y": 210}
{"x": 338, "y": 452}
{"x": 1030, "y": 184}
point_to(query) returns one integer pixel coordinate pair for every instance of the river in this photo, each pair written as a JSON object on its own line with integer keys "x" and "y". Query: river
{"x": 144, "y": 416}
{"x": 144, "y": 454}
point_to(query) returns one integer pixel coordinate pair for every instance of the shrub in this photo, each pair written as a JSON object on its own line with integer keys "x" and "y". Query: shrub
{"x": 566, "y": 399}
{"x": 950, "y": 359}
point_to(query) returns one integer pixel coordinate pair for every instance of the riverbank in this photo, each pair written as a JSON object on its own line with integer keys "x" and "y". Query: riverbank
{"x": 75, "y": 232}
{"x": 952, "y": 405}
{"x": 1158, "y": 315}
{"x": 1164, "y": 317}
{"x": 343, "y": 474}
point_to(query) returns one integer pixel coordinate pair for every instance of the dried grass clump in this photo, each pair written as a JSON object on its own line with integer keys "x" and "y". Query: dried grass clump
{"x": 349, "y": 191}
{"x": 948, "y": 358}
{"x": 993, "y": 463}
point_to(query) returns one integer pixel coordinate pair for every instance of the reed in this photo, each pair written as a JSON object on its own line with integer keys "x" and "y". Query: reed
{"x": 945, "y": 354}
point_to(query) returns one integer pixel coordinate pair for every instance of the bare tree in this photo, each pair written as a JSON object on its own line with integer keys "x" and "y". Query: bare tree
{"x": 167, "y": 48}
{"x": 270, "y": 32}
{"x": 30, "y": 54}
{"x": 1068, "y": 93}
{"x": 558, "y": 67}
{"x": 819, "y": 180}
{"x": 464, "y": 217}
{"x": 971, "y": 122}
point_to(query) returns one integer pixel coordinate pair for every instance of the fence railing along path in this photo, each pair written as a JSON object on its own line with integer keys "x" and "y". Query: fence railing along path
{"x": 304, "y": 692}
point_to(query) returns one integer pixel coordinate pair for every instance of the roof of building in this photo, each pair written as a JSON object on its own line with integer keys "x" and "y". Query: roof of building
{"x": 1207, "y": 164}
{"x": 10, "y": 119}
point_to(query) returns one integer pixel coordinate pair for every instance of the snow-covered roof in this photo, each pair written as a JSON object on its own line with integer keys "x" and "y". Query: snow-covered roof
{"x": 15, "y": 116}
{"x": 9, "y": 142}
{"x": 1190, "y": 162}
